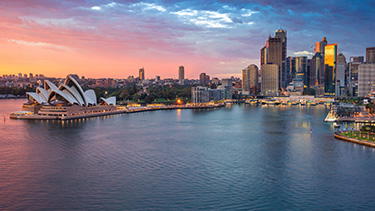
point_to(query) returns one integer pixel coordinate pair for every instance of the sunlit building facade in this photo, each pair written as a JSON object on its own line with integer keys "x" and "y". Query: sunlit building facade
{"x": 330, "y": 66}
{"x": 270, "y": 80}
{"x": 246, "y": 79}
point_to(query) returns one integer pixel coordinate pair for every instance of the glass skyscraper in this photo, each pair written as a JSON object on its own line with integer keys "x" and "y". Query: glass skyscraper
{"x": 330, "y": 60}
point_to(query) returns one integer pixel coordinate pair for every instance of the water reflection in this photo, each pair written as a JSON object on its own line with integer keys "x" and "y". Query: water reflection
{"x": 258, "y": 157}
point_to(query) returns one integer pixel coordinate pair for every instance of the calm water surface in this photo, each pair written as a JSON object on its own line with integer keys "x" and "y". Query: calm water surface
{"x": 238, "y": 158}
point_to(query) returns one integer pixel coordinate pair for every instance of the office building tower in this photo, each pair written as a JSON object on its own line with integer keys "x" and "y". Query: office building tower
{"x": 246, "y": 80}
{"x": 370, "y": 55}
{"x": 270, "y": 80}
{"x": 254, "y": 77}
{"x": 282, "y": 34}
{"x": 360, "y": 59}
{"x": 366, "y": 79}
{"x": 290, "y": 69}
{"x": 157, "y": 78}
{"x": 274, "y": 52}
{"x": 181, "y": 74}
{"x": 226, "y": 84}
{"x": 353, "y": 64}
{"x": 301, "y": 68}
{"x": 309, "y": 74}
{"x": 317, "y": 70}
{"x": 330, "y": 68}
{"x": 320, "y": 46}
{"x": 340, "y": 78}
{"x": 142, "y": 74}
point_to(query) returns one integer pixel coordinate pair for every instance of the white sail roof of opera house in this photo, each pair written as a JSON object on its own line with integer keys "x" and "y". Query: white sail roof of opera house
{"x": 108, "y": 101}
{"x": 70, "y": 92}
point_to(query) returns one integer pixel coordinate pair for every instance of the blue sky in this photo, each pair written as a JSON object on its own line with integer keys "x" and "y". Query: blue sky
{"x": 116, "y": 38}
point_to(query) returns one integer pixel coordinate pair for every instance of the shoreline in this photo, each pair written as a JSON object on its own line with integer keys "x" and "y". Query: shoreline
{"x": 338, "y": 135}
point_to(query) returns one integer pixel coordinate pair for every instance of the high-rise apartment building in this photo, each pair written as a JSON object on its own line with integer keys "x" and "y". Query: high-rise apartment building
{"x": 246, "y": 79}
{"x": 181, "y": 74}
{"x": 142, "y": 74}
{"x": 330, "y": 68}
{"x": 366, "y": 79}
{"x": 370, "y": 55}
{"x": 204, "y": 79}
{"x": 270, "y": 80}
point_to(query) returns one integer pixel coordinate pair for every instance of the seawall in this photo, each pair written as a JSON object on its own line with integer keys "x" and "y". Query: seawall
{"x": 344, "y": 138}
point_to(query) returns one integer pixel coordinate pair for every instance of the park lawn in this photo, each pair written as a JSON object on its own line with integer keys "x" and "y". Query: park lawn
{"x": 355, "y": 135}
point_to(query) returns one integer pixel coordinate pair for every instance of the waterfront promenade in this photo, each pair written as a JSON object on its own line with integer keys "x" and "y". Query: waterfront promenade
{"x": 339, "y": 135}
{"x": 119, "y": 110}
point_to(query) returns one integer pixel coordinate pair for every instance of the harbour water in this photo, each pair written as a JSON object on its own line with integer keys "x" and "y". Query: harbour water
{"x": 232, "y": 158}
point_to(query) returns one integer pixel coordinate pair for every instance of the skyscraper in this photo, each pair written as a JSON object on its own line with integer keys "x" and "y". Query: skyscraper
{"x": 253, "y": 72}
{"x": 270, "y": 79}
{"x": 366, "y": 79}
{"x": 330, "y": 66}
{"x": 301, "y": 68}
{"x": 226, "y": 84}
{"x": 281, "y": 33}
{"x": 353, "y": 74}
{"x": 246, "y": 80}
{"x": 370, "y": 55}
{"x": 290, "y": 69}
{"x": 181, "y": 74}
{"x": 317, "y": 70}
{"x": 340, "y": 74}
{"x": 320, "y": 46}
{"x": 274, "y": 52}
{"x": 142, "y": 74}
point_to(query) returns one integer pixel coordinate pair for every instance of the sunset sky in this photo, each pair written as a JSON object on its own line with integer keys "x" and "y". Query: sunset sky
{"x": 115, "y": 38}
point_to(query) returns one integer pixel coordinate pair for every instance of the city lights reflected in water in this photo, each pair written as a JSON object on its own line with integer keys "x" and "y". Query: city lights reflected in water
{"x": 239, "y": 157}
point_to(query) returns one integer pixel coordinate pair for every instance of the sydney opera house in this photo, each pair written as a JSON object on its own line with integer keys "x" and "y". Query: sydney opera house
{"x": 66, "y": 100}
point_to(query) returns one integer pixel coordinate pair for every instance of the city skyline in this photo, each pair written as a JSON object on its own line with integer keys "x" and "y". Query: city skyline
{"x": 116, "y": 38}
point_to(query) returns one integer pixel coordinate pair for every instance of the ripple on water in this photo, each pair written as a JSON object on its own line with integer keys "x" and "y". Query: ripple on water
{"x": 238, "y": 158}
